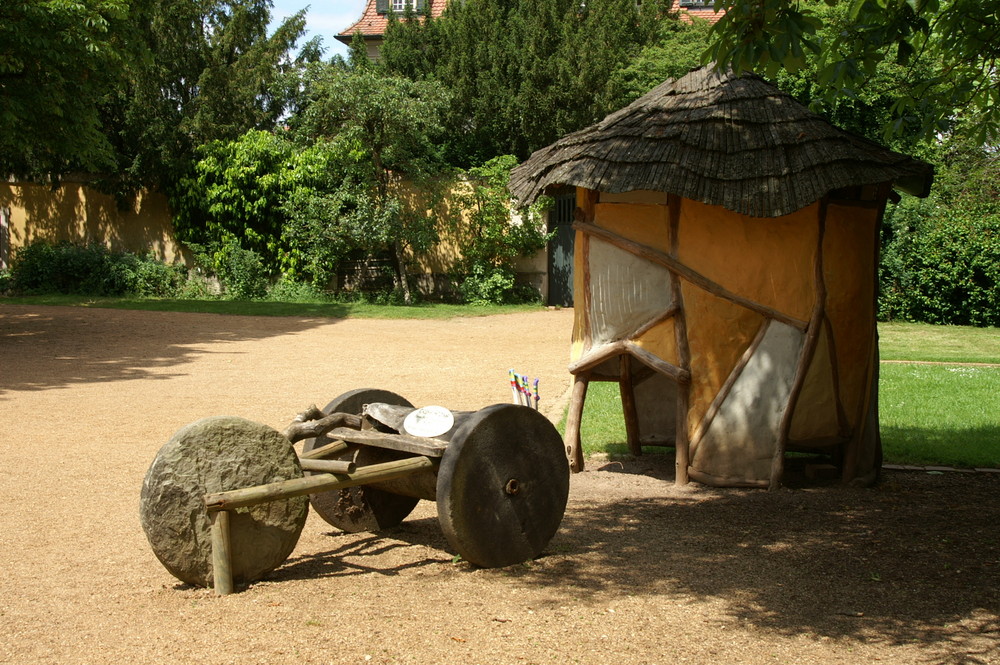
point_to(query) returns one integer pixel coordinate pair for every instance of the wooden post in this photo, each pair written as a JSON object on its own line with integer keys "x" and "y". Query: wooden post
{"x": 574, "y": 447}
{"x": 628, "y": 404}
{"x": 682, "y": 443}
{"x": 222, "y": 571}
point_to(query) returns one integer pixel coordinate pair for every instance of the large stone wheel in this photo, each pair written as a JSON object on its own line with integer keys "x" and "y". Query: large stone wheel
{"x": 216, "y": 455}
{"x": 502, "y": 486}
{"x": 362, "y": 508}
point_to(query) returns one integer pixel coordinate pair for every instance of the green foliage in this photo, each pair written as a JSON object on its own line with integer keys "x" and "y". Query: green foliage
{"x": 199, "y": 71}
{"x": 676, "y": 50}
{"x": 235, "y": 195}
{"x": 491, "y": 242}
{"x": 241, "y": 271}
{"x": 521, "y": 74}
{"x": 948, "y": 49}
{"x": 57, "y": 60}
{"x": 41, "y": 267}
{"x": 941, "y": 265}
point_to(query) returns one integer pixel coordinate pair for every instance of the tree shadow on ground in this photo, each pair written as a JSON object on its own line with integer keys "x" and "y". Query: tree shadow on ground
{"x": 914, "y": 560}
{"x": 58, "y": 347}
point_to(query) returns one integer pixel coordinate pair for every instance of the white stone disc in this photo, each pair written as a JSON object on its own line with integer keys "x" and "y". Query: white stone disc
{"x": 429, "y": 421}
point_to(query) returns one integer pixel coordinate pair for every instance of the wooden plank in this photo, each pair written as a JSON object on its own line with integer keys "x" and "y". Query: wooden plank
{"x": 401, "y": 442}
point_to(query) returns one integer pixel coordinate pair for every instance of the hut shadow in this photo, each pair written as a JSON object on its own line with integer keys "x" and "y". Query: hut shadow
{"x": 914, "y": 560}
{"x": 73, "y": 345}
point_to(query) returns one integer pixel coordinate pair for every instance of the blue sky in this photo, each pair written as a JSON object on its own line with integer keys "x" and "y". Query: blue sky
{"x": 325, "y": 18}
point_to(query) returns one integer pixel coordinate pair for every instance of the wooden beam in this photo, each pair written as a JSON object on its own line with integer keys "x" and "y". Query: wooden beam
{"x": 323, "y": 482}
{"x": 675, "y": 266}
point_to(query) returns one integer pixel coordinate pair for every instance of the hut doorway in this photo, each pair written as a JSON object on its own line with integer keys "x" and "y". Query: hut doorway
{"x": 560, "y": 261}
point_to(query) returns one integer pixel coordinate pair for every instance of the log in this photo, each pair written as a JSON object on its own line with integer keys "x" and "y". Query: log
{"x": 328, "y": 466}
{"x": 307, "y": 425}
{"x": 222, "y": 573}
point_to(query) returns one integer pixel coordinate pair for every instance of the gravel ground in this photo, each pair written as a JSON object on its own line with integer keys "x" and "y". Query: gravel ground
{"x": 641, "y": 571}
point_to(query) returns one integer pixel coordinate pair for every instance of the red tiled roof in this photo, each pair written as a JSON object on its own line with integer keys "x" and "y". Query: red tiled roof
{"x": 373, "y": 24}
{"x": 707, "y": 13}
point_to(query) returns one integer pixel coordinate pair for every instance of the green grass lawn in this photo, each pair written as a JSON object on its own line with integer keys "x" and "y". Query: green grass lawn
{"x": 335, "y": 310}
{"x": 947, "y": 414}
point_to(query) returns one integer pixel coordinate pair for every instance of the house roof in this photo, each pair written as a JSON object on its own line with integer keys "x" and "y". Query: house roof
{"x": 728, "y": 140}
{"x": 372, "y": 24}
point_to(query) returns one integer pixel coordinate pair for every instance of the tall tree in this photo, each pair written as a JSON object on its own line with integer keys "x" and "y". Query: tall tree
{"x": 203, "y": 71}
{"x": 57, "y": 60}
{"x": 388, "y": 127}
{"x": 950, "y": 49}
{"x": 521, "y": 72}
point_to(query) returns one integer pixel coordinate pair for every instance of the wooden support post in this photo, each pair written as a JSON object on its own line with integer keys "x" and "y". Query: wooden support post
{"x": 222, "y": 571}
{"x": 629, "y": 411}
{"x": 574, "y": 447}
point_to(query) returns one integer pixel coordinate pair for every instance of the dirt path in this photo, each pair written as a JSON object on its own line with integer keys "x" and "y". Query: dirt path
{"x": 640, "y": 572}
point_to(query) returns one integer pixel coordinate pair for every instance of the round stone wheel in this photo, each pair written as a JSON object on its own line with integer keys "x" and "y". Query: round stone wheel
{"x": 502, "y": 486}
{"x": 363, "y": 508}
{"x": 215, "y": 455}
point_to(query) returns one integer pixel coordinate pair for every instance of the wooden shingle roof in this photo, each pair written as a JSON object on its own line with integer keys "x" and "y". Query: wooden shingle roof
{"x": 722, "y": 139}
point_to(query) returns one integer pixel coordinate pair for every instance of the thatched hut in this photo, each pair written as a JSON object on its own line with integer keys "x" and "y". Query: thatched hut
{"x": 725, "y": 275}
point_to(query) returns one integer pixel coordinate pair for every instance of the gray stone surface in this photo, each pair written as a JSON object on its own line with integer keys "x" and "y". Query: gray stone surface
{"x": 214, "y": 455}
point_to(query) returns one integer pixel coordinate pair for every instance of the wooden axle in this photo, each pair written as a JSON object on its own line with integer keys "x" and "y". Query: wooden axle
{"x": 323, "y": 482}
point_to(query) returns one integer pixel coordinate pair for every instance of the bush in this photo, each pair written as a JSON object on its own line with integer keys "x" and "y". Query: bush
{"x": 288, "y": 290}
{"x": 241, "y": 272}
{"x": 941, "y": 265}
{"x": 93, "y": 269}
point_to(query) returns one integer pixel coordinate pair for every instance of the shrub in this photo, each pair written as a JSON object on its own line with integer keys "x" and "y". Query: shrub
{"x": 941, "y": 265}
{"x": 92, "y": 269}
{"x": 241, "y": 272}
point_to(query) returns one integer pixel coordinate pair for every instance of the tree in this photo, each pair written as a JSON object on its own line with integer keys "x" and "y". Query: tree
{"x": 491, "y": 241}
{"x": 57, "y": 60}
{"x": 201, "y": 71}
{"x": 386, "y": 127}
{"x": 673, "y": 53}
{"x": 948, "y": 47}
{"x": 521, "y": 72}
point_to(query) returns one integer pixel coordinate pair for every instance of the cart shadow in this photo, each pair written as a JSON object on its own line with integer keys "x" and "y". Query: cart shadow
{"x": 387, "y": 553}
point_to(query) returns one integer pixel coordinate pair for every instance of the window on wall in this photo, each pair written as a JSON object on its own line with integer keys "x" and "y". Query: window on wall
{"x": 698, "y": 4}
{"x": 399, "y": 6}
